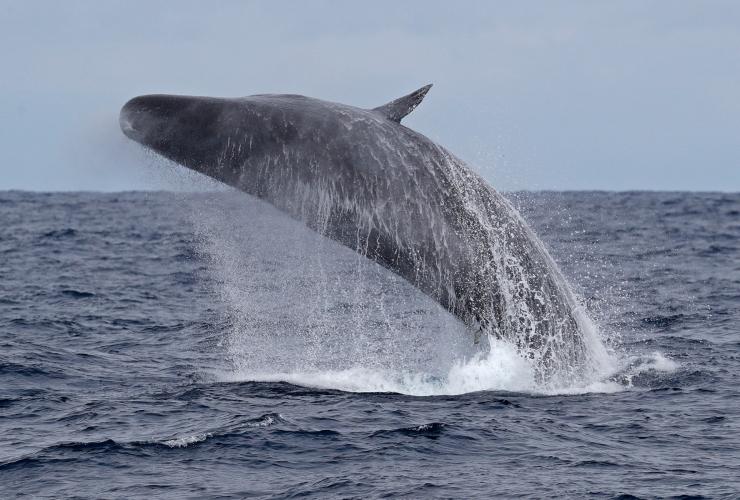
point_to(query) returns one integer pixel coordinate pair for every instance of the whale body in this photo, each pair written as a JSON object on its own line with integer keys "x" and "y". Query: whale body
{"x": 361, "y": 178}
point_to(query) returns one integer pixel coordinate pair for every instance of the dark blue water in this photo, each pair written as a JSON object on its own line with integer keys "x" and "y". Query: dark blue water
{"x": 202, "y": 345}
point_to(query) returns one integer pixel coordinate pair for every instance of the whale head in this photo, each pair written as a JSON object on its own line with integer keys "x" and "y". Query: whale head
{"x": 186, "y": 129}
{"x": 214, "y": 135}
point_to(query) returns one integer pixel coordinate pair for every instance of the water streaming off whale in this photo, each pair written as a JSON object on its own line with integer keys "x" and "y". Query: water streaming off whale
{"x": 316, "y": 313}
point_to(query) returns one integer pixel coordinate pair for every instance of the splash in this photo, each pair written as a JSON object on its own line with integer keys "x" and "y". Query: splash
{"x": 307, "y": 311}
{"x": 500, "y": 368}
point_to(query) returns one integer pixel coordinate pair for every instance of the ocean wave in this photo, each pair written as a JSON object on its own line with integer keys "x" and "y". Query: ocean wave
{"x": 60, "y": 233}
{"x": 62, "y": 450}
{"x": 76, "y": 294}
{"x": 432, "y": 429}
{"x": 184, "y": 441}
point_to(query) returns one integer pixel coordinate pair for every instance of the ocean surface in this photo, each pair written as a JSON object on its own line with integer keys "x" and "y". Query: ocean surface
{"x": 205, "y": 346}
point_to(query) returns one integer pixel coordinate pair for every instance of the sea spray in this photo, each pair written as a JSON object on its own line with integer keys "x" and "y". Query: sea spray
{"x": 308, "y": 311}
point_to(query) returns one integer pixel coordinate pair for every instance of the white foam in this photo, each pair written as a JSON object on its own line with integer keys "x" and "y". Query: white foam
{"x": 265, "y": 421}
{"x": 655, "y": 362}
{"x": 183, "y": 441}
{"x": 659, "y": 363}
{"x": 499, "y": 369}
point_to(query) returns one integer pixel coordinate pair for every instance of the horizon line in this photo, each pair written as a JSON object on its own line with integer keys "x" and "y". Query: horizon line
{"x": 228, "y": 188}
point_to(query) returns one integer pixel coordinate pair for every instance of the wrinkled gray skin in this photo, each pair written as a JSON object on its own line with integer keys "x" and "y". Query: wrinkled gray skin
{"x": 361, "y": 178}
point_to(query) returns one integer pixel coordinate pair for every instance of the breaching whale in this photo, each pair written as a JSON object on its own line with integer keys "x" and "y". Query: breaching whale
{"x": 361, "y": 178}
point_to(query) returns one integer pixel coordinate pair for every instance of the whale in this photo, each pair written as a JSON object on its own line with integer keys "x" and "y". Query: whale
{"x": 363, "y": 179}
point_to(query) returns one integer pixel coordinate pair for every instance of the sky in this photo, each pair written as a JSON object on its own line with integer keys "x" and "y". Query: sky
{"x": 533, "y": 95}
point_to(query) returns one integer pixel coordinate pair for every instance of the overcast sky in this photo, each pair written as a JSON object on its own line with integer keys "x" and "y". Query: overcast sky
{"x": 535, "y": 95}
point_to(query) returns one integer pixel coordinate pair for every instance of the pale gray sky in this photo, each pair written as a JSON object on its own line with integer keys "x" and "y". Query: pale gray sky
{"x": 538, "y": 95}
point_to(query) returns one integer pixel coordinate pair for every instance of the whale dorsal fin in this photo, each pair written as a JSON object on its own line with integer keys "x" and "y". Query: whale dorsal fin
{"x": 396, "y": 110}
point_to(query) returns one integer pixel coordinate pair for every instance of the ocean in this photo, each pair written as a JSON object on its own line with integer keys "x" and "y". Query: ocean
{"x": 203, "y": 345}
